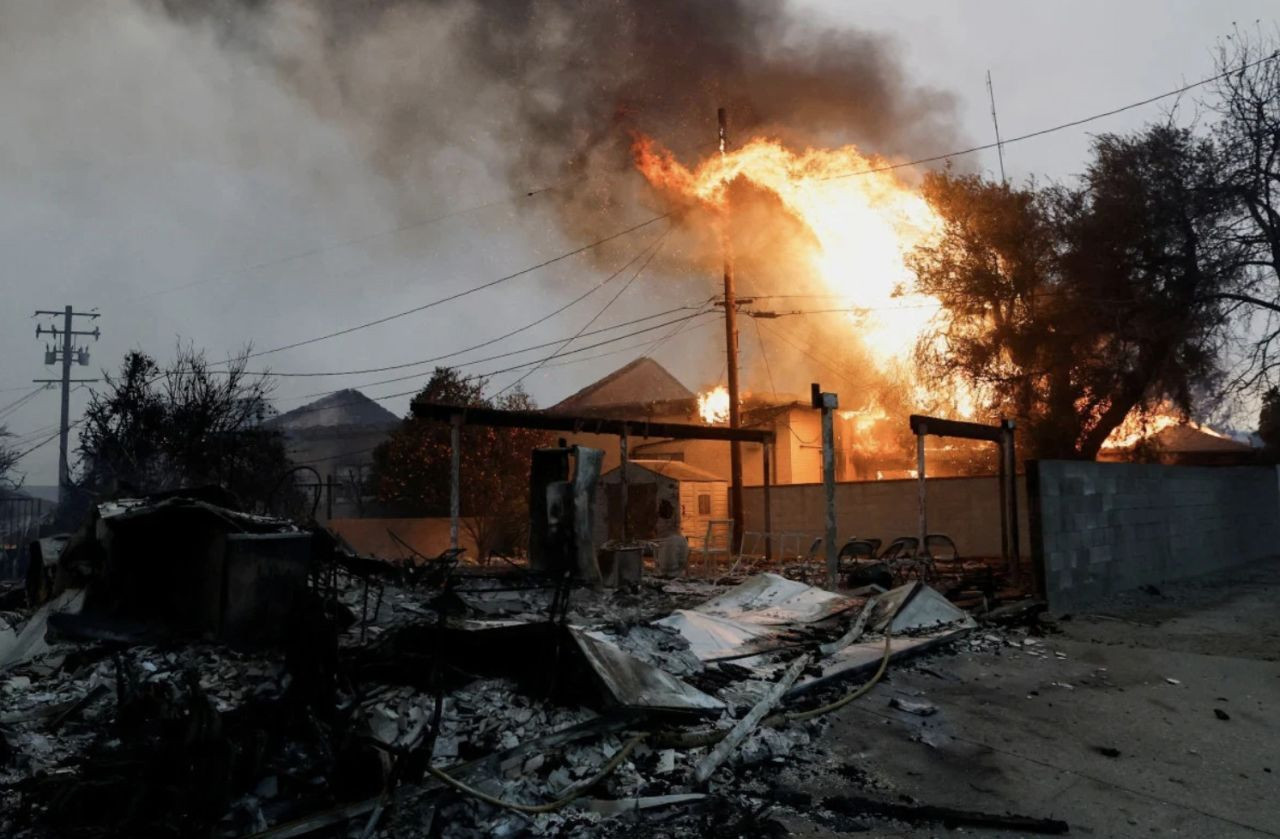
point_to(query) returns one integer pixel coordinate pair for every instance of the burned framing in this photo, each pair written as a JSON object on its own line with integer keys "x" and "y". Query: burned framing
{"x": 625, "y": 429}
{"x": 1002, "y": 436}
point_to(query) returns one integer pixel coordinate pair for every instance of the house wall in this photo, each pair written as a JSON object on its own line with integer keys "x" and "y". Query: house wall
{"x": 694, "y": 524}
{"x": 708, "y": 455}
{"x": 1101, "y": 528}
{"x": 799, "y": 446}
{"x": 966, "y": 509}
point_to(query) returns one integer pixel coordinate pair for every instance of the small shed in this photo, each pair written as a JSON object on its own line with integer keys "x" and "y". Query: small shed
{"x": 663, "y": 497}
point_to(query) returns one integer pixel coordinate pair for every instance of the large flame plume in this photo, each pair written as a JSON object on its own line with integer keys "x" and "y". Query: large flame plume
{"x": 713, "y": 405}
{"x": 857, "y": 226}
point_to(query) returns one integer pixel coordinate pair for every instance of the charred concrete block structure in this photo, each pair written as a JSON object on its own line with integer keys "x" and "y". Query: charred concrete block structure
{"x": 1100, "y": 528}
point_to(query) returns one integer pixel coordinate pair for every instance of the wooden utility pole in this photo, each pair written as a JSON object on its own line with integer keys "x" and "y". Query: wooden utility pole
{"x": 731, "y": 356}
{"x": 65, "y": 354}
{"x": 827, "y": 404}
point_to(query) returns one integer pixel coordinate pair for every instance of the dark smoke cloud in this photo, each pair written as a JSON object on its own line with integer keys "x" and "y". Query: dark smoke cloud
{"x": 550, "y": 92}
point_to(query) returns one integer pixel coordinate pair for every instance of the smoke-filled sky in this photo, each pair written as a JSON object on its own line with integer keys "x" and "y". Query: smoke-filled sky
{"x": 231, "y": 173}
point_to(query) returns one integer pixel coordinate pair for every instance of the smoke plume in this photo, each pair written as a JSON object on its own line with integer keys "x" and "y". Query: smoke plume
{"x": 551, "y": 93}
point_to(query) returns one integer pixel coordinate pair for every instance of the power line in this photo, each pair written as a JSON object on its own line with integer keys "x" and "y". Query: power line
{"x": 471, "y": 348}
{"x": 23, "y": 439}
{"x": 46, "y": 441}
{"x": 765, "y": 356}
{"x": 21, "y": 400}
{"x": 1060, "y": 127}
{"x": 319, "y": 249}
{"x": 458, "y": 295}
{"x": 520, "y": 351}
{"x": 635, "y": 346}
{"x": 839, "y": 373}
{"x": 653, "y": 250}
{"x": 302, "y": 411}
{"x": 599, "y": 343}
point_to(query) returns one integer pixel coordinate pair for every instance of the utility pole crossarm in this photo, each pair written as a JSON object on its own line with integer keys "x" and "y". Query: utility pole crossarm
{"x": 65, "y": 354}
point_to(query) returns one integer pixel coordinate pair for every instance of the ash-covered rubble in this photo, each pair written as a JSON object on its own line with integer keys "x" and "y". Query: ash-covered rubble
{"x": 428, "y": 700}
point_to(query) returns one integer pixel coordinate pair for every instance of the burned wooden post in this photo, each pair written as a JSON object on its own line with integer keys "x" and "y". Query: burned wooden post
{"x": 548, "y": 421}
{"x": 622, "y": 466}
{"x": 828, "y": 402}
{"x": 923, "y": 491}
{"x": 1002, "y": 436}
{"x": 765, "y": 480}
{"x": 455, "y": 477}
{"x": 1015, "y": 552}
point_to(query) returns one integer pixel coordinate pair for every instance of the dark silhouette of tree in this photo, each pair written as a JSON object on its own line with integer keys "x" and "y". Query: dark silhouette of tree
{"x": 1269, "y": 420}
{"x": 1246, "y": 102}
{"x": 1067, "y": 307}
{"x": 411, "y": 470}
{"x": 8, "y": 459}
{"x": 191, "y": 424}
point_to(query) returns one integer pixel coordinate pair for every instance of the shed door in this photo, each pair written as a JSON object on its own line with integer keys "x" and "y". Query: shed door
{"x": 642, "y": 512}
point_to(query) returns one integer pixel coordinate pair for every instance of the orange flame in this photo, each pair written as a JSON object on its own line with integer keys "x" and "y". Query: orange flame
{"x": 713, "y": 405}
{"x": 1140, "y": 425}
{"x": 863, "y": 224}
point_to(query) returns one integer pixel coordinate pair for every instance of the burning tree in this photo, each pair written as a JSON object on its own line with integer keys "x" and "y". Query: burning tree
{"x": 154, "y": 429}
{"x": 412, "y": 469}
{"x": 1069, "y": 307}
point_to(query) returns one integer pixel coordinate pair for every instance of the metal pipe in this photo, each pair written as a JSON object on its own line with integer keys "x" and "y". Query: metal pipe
{"x": 828, "y": 404}
{"x": 1015, "y": 549}
{"x": 766, "y": 482}
{"x": 455, "y": 477}
{"x": 622, "y": 468}
{"x": 1003, "y": 478}
{"x": 920, "y": 479}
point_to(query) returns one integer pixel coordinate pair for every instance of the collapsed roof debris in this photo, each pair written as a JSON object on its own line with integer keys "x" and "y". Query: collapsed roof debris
{"x": 198, "y": 671}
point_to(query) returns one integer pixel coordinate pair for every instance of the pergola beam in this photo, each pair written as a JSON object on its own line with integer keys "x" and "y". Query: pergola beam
{"x": 544, "y": 421}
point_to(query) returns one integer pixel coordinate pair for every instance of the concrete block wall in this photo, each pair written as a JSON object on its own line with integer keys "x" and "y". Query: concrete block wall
{"x": 966, "y": 509}
{"x": 1101, "y": 528}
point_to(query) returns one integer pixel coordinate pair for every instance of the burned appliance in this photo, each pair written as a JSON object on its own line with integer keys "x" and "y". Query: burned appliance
{"x": 561, "y": 511}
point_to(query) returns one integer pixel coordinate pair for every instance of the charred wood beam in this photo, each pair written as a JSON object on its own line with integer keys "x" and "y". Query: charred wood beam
{"x": 950, "y": 817}
{"x": 543, "y": 421}
{"x": 955, "y": 428}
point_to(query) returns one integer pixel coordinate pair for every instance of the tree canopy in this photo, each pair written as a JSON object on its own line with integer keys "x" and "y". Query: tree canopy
{"x": 411, "y": 470}
{"x": 8, "y": 459}
{"x": 1068, "y": 306}
{"x": 1245, "y": 100}
{"x": 152, "y": 429}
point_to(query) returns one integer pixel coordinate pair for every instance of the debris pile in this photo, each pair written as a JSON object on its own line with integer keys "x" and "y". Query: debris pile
{"x": 423, "y": 700}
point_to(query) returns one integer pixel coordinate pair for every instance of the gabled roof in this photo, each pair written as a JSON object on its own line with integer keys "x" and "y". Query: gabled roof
{"x": 676, "y": 470}
{"x": 641, "y": 382}
{"x": 1188, "y": 438}
{"x": 344, "y": 409}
